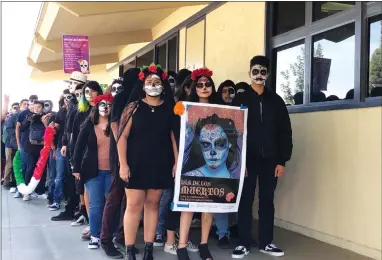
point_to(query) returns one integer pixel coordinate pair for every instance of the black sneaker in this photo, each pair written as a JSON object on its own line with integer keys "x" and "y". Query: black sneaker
{"x": 272, "y": 250}
{"x": 94, "y": 243}
{"x": 224, "y": 243}
{"x": 111, "y": 251}
{"x": 159, "y": 241}
{"x": 240, "y": 252}
{"x": 63, "y": 216}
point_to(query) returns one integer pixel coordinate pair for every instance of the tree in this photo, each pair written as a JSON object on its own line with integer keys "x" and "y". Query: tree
{"x": 285, "y": 88}
{"x": 375, "y": 70}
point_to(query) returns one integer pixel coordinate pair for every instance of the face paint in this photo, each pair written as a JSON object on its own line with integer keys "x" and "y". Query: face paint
{"x": 47, "y": 107}
{"x": 171, "y": 80}
{"x": 72, "y": 86}
{"x": 204, "y": 88}
{"x": 90, "y": 94}
{"x": 153, "y": 86}
{"x": 259, "y": 74}
{"x": 78, "y": 94}
{"x": 67, "y": 98}
{"x": 115, "y": 89}
{"x": 214, "y": 144}
{"x": 104, "y": 108}
{"x": 228, "y": 94}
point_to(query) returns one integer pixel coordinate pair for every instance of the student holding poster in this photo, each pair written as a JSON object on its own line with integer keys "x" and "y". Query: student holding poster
{"x": 211, "y": 175}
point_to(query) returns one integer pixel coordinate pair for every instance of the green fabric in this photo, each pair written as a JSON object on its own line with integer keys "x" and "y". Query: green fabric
{"x": 17, "y": 169}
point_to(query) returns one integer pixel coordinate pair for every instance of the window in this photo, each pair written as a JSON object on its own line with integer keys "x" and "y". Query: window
{"x": 333, "y": 64}
{"x": 146, "y": 59}
{"x": 375, "y": 57}
{"x": 162, "y": 56}
{"x": 288, "y": 16}
{"x": 290, "y": 72}
{"x": 195, "y": 43}
{"x": 325, "y": 9}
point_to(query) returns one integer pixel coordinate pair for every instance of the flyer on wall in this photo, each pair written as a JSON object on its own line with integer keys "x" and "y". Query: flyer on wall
{"x": 76, "y": 53}
{"x": 211, "y": 163}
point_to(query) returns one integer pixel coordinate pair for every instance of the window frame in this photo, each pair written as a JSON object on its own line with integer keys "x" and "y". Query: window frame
{"x": 360, "y": 15}
{"x": 165, "y": 42}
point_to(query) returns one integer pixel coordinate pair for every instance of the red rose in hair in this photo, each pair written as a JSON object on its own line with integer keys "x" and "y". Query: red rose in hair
{"x": 106, "y": 97}
{"x": 141, "y": 75}
{"x": 153, "y": 69}
{"x": 164, "y": 75}
{"x": 201, "y": 72}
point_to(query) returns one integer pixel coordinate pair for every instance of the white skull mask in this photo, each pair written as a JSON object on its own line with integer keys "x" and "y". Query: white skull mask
{"x": 48, "y": 106}
{"x": 116, "y": 88}
{"x": 259, "y": 74}
{"x": 172, "y": 82}
{"x": 78, "y": 94}
{"x": 67, "y": 98}
{"x": 104, "y": 107}
{"x": 153, "y": 90}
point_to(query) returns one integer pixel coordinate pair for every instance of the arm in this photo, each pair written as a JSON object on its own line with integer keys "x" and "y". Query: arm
{"x": 5, "y": 107}
{"x": 175, "y": 150}
{"x": 285, "y": 134}
{"x": 17, "y": 131}
{"x": 124, "y": 170}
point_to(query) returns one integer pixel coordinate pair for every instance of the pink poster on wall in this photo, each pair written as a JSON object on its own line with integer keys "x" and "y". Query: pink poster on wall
{"x": 76, "y": 53}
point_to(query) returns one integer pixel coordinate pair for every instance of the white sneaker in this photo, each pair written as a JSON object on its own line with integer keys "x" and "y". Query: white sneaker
{"x": 18, "y": 195}
{"x": 55, "y": 206}
{"x": 93, "y": 243}
{"x": 191, "y": 247}
{"x": 34, "y": 195}
{"x": 171, "y": 249}
{"x": 79, "y": 222}
{"x": 26, "y": 197}
{"x": 12, "y": 190}
{"x": 43, "y": 196}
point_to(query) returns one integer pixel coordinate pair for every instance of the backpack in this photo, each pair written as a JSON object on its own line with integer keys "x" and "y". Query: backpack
{"x": 36, "y": 132}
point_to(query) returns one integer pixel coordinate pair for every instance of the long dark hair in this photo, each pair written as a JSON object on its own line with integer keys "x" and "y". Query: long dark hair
{"x": 94, "y": 119}
{"x": 193, "y": 97}
{"x": 196, "y": 159}
{"x": 182, "y": 94}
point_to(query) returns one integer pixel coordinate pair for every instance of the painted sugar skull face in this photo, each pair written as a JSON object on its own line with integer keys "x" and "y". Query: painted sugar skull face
{"x": 78, "y": 94}
{"x": 259, "y": 74}
{"x": 90, "y": 94}
{"x": 67, "y": 98}
{"x": 171, "y": 80}
{"x": 104, "y": 108}
{"x": 116, "y": 88}
{"x": 48, "y": 106}
{"x": 228, "y": 94}
{"x": 203, "y": 87}
{"x": 214, "y": 144}
{"x": 153, "y": 85}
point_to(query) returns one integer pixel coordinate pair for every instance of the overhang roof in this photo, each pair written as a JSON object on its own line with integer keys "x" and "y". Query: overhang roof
{"x": 111, "y": 26}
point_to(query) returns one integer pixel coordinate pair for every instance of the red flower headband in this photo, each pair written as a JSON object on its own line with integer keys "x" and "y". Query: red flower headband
{"x": 152, "y": 69}
{"x": 106, "y": 97}
{"x": 201, "y": 72}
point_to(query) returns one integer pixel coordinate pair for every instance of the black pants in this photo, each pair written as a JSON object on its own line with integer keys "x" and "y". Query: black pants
{"x": 264, "y": 170}
{"x": 173, "y": 217}
{"x": 32, "y": 160}
{"x": 73, "y": 197}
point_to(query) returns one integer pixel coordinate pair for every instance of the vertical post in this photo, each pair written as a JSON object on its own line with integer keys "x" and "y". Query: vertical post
{"x": 361, "y": 57}
{"x": 308, "y": 53}
{"x": 120, "y": 72}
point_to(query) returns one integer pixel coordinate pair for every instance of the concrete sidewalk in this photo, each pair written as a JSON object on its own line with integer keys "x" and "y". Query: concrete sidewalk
{"x": 28, "y": 233}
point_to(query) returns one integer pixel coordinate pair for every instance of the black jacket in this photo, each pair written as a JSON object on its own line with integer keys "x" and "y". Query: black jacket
{"x": 269, "y": 131}
{"x": 79, "y": 119}
{"x": 85, "y": 158}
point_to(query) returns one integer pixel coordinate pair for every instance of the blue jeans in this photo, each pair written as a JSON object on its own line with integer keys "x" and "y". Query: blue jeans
{"x": 163, "y": 210}
{"x": 221, "y": 222}
{"x": 98, "y": 188}
{"x": 24, "y": 161}
{"x": 51, "y": 176}
{"x": 61, "y": 170}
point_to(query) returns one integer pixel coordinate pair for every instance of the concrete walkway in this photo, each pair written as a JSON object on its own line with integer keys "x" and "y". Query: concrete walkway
{"x": 27, "y": 233}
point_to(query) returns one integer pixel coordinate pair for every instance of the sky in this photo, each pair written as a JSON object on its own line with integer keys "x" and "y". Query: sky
{"x": 21, "y": 18}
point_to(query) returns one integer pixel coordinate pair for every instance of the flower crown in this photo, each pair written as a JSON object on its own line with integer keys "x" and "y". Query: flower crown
{"x": 152, "y": 69}
{"x": 106, "y": 97}
{"x": 201, "y": 72}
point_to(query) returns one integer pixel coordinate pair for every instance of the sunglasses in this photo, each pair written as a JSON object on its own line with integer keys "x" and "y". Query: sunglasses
{"x": 204, "y": 85}
{"x": 263, "y": 72}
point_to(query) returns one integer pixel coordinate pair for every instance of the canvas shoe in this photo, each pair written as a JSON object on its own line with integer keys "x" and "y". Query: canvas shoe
{"x": 171, "y": 249}
{"x": 159, "y": 241}
{"x": 240, "y": 252}
{"x": 94, "y": 243}
{"x": 272, "y": 250}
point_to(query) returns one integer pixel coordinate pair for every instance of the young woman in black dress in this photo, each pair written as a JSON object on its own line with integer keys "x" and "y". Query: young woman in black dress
{"x": 202, "y": 91}
{"x": 147, "y": 151}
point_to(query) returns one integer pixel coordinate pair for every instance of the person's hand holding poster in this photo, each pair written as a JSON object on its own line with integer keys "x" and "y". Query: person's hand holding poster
{"x": 212, "y": 152}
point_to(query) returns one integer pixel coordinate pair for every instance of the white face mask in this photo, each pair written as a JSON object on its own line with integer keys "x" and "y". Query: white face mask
{"x": 88, "y": 94}
{"x": 153, "y": 90}
{"x": 104, "y": 108}
{"x": 115, "y": 89}
{"x": 259, "y": 74}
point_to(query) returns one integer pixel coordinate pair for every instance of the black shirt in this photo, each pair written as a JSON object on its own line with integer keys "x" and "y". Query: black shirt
{"x": 60, "y": 119}
{"x": 25, "y": 126}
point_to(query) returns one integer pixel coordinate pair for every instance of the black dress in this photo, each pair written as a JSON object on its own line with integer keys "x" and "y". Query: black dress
{"x": 150, "y": 154}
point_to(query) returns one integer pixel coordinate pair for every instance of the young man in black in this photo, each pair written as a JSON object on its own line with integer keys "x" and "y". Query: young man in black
{"x": 269, "y": 147}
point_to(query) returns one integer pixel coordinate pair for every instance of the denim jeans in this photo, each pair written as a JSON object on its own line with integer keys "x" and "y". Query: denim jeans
{"x": 98, "y": 188}
{"x": 221, "y": 222}
{"x": 51, "y": 176}
{"x": 61, "y": 170}
{"x": 24, "y": 161}
{"x": 163, "y": 210}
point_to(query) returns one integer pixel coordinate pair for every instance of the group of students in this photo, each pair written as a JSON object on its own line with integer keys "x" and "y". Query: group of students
{"x": 115, "y": 154}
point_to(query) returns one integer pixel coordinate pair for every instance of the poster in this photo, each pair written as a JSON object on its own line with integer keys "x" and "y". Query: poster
{"x": 211, "y": 163}
{"x": 76, "y": 53}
